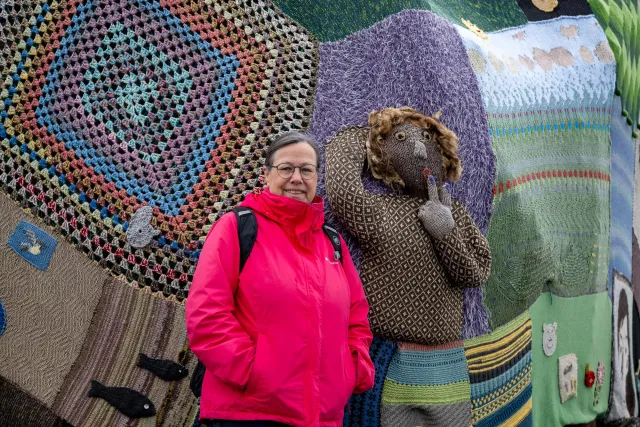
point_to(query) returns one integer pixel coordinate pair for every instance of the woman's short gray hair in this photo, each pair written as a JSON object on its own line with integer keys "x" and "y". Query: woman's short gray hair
{"x": 289, "y": 138}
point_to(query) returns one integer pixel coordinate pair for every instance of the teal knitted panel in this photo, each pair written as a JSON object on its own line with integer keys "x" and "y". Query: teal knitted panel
{"x": 547, "y": 89}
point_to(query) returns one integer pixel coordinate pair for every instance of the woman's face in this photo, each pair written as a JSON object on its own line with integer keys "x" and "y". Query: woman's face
{"x": 295, "y": 187}
{"x": 623, "y": 347}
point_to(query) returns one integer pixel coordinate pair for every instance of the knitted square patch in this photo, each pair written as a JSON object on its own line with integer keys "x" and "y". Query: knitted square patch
{"x": 33, "y": 244}
{"x": 568, "y": 376}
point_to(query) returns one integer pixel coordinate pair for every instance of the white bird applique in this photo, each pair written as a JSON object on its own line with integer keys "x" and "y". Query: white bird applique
{"x": 34, "y": 245}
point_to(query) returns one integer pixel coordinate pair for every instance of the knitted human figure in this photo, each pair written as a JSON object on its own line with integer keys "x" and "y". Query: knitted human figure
{"x": 419, "y": 250}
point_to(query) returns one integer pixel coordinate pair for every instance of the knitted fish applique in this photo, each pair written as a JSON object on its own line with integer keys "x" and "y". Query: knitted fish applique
{"x": 131, "y": 403}
{"x": 140, "y": 231}
{"x": 167, "y": 370}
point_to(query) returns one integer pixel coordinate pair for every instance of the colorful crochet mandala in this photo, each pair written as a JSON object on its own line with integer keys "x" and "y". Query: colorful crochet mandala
{"x": 108, "y": 106}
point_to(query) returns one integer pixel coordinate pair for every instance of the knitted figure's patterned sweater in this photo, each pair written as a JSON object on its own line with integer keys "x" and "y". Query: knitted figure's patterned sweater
{"x": 412, "y": 281}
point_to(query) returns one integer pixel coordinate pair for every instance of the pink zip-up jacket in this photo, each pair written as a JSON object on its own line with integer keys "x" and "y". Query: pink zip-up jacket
{"x": 288, "y": 339}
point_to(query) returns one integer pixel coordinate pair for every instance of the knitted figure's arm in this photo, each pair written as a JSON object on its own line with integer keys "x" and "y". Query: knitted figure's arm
{"x": 355, "y": 207}
{"x": 464, "y": 251}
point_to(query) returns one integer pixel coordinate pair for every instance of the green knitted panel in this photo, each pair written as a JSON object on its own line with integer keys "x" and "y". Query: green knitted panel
{"x": 396, "y": 393}
{"x": 331, "y": 20}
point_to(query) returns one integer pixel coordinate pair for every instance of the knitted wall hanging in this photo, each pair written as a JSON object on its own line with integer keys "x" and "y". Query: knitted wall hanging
{"x": 108, "y": 106}
{"x": 584, "y": 330}
{"x": 331, "y": 20}
{"x": 350, "y": 76}
{"x": 427, "y": 386}
{"x": 364, "y": 409}
{"x": 413, "y": 281}
{"x": 499, "y": 367}
{"x": 623, "y": 402}
{"x": 547, "y": 89}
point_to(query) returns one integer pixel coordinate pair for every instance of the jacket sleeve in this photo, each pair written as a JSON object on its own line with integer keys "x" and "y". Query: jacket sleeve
{"x": 215, "y": 335}
{"x": 464, "y": 251}
{"x": 360, "y": 335}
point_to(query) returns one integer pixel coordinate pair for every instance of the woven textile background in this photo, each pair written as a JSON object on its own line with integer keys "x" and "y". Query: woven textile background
{"x": 128, "y": 127}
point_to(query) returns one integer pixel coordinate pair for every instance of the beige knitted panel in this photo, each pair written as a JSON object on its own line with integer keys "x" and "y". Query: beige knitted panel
{"x": 48, "y": 312}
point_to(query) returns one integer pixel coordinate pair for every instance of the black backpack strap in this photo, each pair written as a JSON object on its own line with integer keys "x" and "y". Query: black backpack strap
{"x": 247, "y": 232}
{"x": 334, "y": 238}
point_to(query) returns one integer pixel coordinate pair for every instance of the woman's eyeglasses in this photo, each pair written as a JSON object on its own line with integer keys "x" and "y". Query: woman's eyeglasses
{"x": 286, "y": 170}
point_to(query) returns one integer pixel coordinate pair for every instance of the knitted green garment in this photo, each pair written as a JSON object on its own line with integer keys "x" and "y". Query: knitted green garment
{"x": 547, "y": 89}
{"x": 413, "y": 282}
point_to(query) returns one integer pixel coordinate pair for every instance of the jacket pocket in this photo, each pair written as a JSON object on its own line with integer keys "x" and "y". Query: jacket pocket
{"x": 340, "y": 385}
{"x": 254, "y": 376}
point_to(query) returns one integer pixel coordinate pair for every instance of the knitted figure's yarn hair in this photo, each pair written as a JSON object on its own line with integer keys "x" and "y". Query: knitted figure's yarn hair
{"x": 382, "y": 123}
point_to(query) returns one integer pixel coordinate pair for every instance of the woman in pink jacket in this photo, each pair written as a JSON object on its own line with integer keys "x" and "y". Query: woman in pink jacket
{"x": 286, "y": 341}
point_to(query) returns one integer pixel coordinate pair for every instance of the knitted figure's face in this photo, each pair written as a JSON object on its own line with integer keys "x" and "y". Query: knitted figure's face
{"x": 415, "y": 154}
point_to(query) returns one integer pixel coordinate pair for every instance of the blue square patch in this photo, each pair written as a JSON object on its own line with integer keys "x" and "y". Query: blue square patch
{"x": 33, "y": 244}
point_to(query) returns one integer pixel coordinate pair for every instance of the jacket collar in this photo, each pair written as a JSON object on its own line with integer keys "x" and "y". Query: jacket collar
{"x": 293, "y": 215}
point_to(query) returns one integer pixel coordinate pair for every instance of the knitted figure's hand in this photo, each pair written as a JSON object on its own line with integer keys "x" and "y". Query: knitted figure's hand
{"x": 435, "y": 214}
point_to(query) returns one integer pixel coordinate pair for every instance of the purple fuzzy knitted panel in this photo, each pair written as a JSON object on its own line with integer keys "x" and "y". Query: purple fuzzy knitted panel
{"x": 416, "y": 59}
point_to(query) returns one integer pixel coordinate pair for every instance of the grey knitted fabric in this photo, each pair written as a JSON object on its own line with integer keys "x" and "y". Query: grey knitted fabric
{"x": 449, "y": 415}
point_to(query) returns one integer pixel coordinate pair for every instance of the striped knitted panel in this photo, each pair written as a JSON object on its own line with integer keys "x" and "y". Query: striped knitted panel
{"x": 547, "y": 88}
{"x": 19, "y": 409}
{"x": 129, "y": 321}
{"x": 110, "y": 105}
{"x": 500, "y": 374}
{"x": 364, "y": 409}
{"x": 427, "y": 386}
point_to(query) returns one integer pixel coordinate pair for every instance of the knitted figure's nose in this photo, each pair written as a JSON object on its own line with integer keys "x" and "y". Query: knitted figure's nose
{"x": 419, "y": 150}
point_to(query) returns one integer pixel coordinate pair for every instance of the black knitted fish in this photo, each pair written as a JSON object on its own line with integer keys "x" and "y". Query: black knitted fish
{"x": 130, "y": 402}
{"x": 164, "y": 369}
